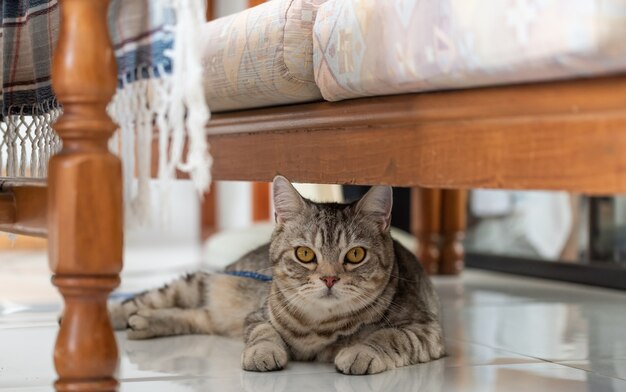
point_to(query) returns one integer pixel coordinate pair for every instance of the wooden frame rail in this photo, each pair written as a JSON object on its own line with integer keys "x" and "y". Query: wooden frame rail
{"x": 23, "y": 207}
{"x": 568, "y": 135}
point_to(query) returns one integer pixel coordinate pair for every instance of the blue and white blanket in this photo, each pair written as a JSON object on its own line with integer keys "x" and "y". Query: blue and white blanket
{"x": 157, "y": 48}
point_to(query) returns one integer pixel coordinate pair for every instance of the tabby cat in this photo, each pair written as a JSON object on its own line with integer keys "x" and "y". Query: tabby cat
{"x": 341, "y": 290}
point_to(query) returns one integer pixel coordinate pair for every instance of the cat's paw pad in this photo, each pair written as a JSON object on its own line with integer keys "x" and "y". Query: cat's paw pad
{"x": 359, "y": 359}
{"x": 263, "y": 357}
{"x": 139, "y": 325}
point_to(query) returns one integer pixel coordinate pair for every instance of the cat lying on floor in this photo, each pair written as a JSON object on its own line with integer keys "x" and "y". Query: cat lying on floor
{"x": 330, "y": 286}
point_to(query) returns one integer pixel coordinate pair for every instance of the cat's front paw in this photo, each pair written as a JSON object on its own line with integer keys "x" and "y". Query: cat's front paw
{"x": 118, "y": 317}
{"x": 360, "y": 359}
{"x": 264, "y": 357}
{"x": 141, "y": 325}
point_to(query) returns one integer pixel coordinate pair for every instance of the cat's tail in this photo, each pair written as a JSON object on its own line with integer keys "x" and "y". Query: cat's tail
{"x": 187, "y": 292}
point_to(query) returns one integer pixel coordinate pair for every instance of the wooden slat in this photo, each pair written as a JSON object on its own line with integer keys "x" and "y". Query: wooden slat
{"x": 208, "y": 218}
{"x": 253, "y": 3}
{"x": 210, "y": 9}
{"x": 555, "y": 136}
{"x": 260, "y": 202}
{"x": 29, "y": 210}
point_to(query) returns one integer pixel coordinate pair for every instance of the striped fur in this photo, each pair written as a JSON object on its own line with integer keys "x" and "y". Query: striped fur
{"x": 381, "y": 314}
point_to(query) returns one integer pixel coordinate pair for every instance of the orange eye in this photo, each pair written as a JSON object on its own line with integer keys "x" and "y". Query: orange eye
{"x": 355, "y": 255}
{"x": 305, "y": 254}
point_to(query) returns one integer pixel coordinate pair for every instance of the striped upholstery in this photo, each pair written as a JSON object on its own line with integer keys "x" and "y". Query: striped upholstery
{"x": 369, "y": 47}
{"x": 261, "y": 57}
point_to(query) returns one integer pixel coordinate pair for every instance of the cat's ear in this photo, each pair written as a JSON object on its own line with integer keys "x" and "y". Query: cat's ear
{"x": 377, "y": 204}
{"x": 287, "y": 201}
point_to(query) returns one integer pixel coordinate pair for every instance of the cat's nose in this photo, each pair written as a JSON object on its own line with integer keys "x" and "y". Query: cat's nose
{"x": 330, "y": 280}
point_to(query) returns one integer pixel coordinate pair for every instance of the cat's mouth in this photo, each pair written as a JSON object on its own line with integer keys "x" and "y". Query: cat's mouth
{"x": 329, "y": 294}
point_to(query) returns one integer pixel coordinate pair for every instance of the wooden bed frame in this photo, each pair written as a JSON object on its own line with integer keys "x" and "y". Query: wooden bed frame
{"x": 568, "y": 135}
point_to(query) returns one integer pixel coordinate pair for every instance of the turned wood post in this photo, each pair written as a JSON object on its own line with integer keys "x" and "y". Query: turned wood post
{"x": 454, "y": 223}
{"x": 85, "y": 199}
{"x": 426, "y": 226}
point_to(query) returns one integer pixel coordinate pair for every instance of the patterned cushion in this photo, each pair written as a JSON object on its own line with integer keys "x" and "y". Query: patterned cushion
{"x": 369, "y": 47}
{"x": 261, "y": 56}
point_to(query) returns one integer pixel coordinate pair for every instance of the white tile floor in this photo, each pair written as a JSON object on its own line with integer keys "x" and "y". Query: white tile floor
{"x": 503, "y": 334}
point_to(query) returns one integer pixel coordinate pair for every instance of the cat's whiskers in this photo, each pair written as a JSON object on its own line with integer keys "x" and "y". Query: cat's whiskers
{"x": 400, "y": 278}
{"x": 390, "y": 304}
{"x": 377, "y": 311}
{"x": 282, "y": 291}
{"x": 288, "y": 303}
{"x": 287, "y": 306}
{"x": 367, "y": 302}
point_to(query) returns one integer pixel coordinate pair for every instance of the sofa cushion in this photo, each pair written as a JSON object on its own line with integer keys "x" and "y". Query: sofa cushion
{"x": 368, "y": 47}
{"x": 261, "y": 56}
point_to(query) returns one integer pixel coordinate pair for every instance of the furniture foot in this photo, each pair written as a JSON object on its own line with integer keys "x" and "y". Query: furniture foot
{"x": 85, "y": 353}
{"x": 454, "y": 222}
{"x": 426, "y": 226}
{"x": 85, "y": 225}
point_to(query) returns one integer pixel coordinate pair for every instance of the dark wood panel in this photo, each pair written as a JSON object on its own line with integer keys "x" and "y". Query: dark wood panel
{"x": 602, "y": 274}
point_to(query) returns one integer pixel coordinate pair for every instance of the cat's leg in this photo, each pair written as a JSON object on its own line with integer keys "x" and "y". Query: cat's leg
{"x": 152, "y": 323}
{"x": 389, "y": 348}
{"x": 187, "y": 292}
{"x": 265, "y": 349}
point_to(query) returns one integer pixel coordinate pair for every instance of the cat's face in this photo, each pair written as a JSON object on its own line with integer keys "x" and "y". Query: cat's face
{"x": 331, "y": 257}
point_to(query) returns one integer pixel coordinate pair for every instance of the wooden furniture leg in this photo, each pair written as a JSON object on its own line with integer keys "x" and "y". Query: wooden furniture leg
{"x": 85, "y": 200}
{"x": 426, "y": 226}
{"x": 454, "y": 222}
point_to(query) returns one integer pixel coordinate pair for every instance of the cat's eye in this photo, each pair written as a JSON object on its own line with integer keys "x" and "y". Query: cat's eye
{"x": 355, "y": 255}
{"x": 305, "y": 254}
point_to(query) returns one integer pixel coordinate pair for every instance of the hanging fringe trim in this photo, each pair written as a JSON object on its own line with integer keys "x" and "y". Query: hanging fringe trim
{"x": 27, "y": 140}
{"x": 188, "y": 87}
{"x": 174, "y": 104}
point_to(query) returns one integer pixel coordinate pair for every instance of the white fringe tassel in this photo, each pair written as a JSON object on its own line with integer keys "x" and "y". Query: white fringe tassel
{"x": 175, "y": 104}
{"x": 27, "y": 141}
{"x": 188, "y": 88}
